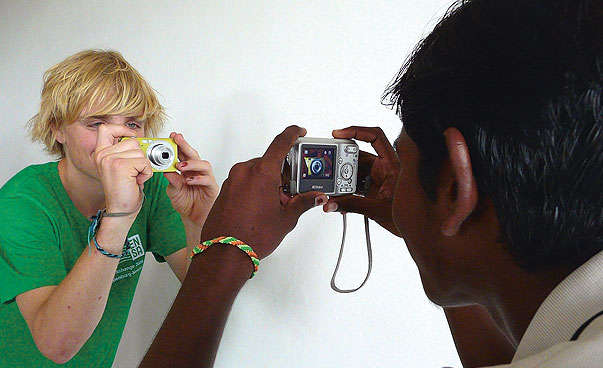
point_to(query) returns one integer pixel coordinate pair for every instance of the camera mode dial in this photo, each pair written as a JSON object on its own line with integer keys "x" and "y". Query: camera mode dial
{"x": 346, "y": 171}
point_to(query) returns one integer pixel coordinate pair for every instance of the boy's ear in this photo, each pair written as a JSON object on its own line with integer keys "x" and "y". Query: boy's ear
{"x": 59, "y": 136}
{"x": 463, "y": 196}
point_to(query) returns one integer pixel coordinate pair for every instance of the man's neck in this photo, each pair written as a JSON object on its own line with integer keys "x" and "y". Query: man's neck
{"x": 85, "y": 192}
{"x": 517, "y": 296}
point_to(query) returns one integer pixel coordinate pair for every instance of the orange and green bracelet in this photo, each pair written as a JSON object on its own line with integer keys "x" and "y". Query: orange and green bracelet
{"x": 230, "y": 241}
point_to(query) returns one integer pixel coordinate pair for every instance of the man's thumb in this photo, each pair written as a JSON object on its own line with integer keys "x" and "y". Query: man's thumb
{"x": 173, "y": 179}
{"x": 350, "y": 203}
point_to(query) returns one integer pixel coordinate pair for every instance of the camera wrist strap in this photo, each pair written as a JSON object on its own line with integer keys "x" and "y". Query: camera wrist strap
{"x": 369, "y": 253}
{"x": 96, "y": 220}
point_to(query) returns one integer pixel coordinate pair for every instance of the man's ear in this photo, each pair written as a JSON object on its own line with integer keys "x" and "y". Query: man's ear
{"x": 58, "y": 134}
{"x": 463, "y": 202}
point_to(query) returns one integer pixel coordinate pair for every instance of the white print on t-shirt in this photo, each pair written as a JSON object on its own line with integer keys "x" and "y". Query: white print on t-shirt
{"x": 128, "y": 265}
{"x": 136, "y": 250}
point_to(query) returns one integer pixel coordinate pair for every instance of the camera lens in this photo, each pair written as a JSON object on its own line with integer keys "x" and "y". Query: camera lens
{"x": 161, "y": 155}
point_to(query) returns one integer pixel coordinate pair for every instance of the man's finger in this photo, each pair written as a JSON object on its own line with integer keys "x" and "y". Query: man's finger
{"x": 199, "y": 180}
{"x": 145, "y": 172}
{"x": 118, "y": 153}
{"x": 108, "y": 134}
{"x": 365, "y": 164}
{"x": 174, "y": 179}
{"x": 280, "y": 146}
{"x": 302, "y": 202}
{"x": 356, "y": 204}
{"x": 374, "y": 136}
{"x": 200, "y": 166}
{"x": 185, "y": 150}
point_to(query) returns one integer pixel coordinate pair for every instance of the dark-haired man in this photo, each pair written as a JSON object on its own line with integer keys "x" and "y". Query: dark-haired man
{"x": 494, "y": 184}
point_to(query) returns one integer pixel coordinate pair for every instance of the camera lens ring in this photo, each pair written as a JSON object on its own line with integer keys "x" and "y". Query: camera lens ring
{"x": 156, "y": 153}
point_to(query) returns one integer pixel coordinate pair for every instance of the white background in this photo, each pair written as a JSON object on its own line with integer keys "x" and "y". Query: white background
{"x": 232, "y": 75}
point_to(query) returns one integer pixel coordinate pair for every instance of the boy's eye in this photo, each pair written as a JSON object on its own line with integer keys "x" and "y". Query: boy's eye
{"x": 95, "y": 124}
{"x": 132, "y": 125}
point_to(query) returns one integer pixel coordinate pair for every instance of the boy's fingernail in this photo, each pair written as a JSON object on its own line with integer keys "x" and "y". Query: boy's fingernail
{"x": 331, "y": 207}
{"x": 183, "y": 164}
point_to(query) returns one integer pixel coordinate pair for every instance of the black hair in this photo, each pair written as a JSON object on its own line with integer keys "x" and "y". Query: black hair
{"x": 521, "y": 80}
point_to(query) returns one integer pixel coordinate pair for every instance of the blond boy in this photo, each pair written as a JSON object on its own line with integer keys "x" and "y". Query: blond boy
{"x": 68, "y": 289}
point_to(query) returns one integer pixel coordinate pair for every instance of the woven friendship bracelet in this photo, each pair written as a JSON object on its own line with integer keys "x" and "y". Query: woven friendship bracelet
{"x": 229, "y": 240}
{"x": 96, "y": 220}
{"x": 104, "y": 252}
{"x": 92, "y": 235}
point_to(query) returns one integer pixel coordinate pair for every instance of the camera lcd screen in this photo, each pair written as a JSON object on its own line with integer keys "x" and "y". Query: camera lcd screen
{"x": 317, "y": 162}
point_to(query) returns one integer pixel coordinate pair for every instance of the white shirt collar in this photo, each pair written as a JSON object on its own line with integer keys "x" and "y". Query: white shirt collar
{"x": 576, "y": 299}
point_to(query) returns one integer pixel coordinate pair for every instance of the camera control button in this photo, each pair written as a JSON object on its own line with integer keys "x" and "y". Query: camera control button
{"x": 338, "y": 181}
{"x": 351, "y": 149}
{"x": 346, "y": 171}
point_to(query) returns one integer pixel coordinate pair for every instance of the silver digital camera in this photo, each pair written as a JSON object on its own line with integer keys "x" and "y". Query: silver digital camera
{"x": 321, "y": 164}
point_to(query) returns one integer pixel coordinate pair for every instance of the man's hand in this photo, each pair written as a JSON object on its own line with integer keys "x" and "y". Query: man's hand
{"x": 252, "y": 206}
{"x": 194, "y": 190}
{"x": 122, "y": 168}
{"x": 383, "y": 170}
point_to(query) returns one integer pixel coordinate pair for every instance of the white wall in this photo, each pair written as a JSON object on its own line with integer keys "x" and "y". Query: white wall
{"x": 233, "y": 74}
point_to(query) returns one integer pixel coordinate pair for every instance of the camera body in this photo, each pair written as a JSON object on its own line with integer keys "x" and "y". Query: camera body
{"x": 162, "y": 152}
{"x": 322, "y": 164}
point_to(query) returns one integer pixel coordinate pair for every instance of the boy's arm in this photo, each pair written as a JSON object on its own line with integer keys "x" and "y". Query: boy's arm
{"x": 179, "y": 261}
{"x": 479, "y": 342}
{"x": 192, "y": 193}
{"x": 62, "y": 318}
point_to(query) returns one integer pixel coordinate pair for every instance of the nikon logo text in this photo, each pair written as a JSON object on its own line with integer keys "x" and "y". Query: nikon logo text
{"x": 317, "y": 186}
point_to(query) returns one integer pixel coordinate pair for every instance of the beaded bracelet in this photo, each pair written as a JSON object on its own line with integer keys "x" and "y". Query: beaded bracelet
{"x": 229, "y": 240}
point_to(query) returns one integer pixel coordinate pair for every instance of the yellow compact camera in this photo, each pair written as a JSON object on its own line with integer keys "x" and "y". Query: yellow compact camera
{"x": 162, "y": 152}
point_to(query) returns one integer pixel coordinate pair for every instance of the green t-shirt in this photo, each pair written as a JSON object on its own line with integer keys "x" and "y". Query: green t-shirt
{"x": 42, "y": 234}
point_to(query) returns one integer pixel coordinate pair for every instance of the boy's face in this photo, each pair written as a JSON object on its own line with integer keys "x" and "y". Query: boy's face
{"x": 418, "y": 220}
{"x": 79, "y": 139}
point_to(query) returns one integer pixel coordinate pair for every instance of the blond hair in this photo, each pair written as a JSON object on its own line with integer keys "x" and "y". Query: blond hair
{"x": 92, "y": 83}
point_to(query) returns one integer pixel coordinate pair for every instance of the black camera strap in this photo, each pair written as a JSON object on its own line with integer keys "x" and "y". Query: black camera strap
{"x": 369, "y": 253}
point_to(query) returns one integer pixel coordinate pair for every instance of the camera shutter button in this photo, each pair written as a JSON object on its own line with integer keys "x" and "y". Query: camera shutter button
{"x": 351, "y": 149}
{"x": 346, "y": 171}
